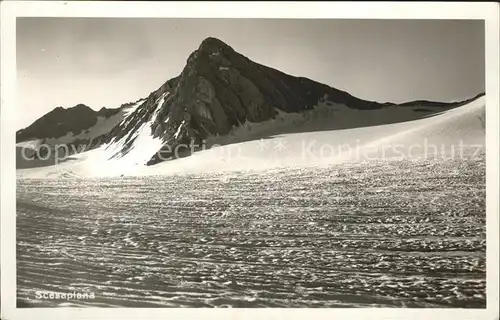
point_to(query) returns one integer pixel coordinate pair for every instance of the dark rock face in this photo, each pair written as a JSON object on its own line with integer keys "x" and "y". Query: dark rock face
{"x": 60, "y": 122}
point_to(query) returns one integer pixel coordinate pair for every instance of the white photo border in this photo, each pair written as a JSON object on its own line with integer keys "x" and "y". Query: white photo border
{"x": 489, "y": 12}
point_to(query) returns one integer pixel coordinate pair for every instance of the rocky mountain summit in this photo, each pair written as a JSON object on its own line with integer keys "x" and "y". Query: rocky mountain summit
{"x": 220, "y": 89}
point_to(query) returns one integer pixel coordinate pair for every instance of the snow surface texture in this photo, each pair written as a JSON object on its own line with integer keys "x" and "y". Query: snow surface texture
{"x": 448, "y": 133}
{"x": 380, "y": 234}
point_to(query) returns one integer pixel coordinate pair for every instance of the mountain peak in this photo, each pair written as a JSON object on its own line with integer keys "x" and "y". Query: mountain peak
{"x": 209, "y": 49}
{"x": 81, "y": 106}
{"x": 211, "y": 54}
{"x": 213, "y": 44}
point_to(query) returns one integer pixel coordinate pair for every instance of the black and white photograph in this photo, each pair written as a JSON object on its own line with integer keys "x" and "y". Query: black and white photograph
{"x": 249, "y": 163}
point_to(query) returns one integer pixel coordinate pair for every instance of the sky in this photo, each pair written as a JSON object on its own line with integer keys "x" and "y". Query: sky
{"x": 105, "y": 62}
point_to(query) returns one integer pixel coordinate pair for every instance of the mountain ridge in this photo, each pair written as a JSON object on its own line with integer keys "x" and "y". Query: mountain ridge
{"x": 60, "y": 121}
{"x": 219, "y": 90}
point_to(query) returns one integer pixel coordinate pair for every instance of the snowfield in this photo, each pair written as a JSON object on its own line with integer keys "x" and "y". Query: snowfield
{"x": 401, "y": 233}
{"x": 349, "y": 136}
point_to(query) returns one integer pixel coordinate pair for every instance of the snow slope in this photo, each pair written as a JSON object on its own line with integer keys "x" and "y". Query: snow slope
{"x": 143, "y": 143}
{"x": 439, "y": 135}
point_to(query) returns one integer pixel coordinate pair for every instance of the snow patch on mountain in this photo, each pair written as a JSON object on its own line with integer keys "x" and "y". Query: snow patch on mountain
{"x": 132, "y": 108}
{"x": 179, "y": 129}
{"x": 143, "y": 144}
{"x": 31, "y": 144}
{"x": 161, "y": 100}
